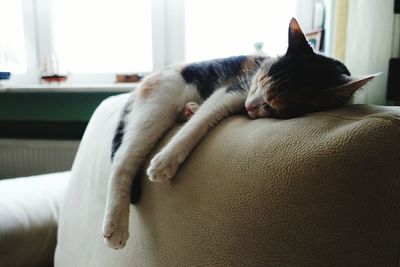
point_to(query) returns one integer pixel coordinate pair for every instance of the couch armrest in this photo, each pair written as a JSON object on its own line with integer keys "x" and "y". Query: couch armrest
{"x": 28, "y": 219}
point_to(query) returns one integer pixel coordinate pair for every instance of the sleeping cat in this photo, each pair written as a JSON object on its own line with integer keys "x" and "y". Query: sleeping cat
{"x": 299, "y": 82}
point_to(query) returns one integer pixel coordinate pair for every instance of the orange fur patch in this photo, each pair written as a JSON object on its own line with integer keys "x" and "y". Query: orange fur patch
{"x": 149, "y": 85}
{"x": 249, "y": 65}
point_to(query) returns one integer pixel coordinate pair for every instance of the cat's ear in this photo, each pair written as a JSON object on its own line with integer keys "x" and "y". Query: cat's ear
{"x": 297, "y": 40}
{"x": 350, "y": 85}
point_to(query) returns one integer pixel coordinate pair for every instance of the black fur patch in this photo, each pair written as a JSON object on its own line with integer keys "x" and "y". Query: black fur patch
{"x": 314, "y": 71}
{"x": 211, "y": 74}
{"x": 136, "y": 189}
{"x": 117, "y": 140}
{"x": 243, "y": 85}
{"x": 119, "y": 132}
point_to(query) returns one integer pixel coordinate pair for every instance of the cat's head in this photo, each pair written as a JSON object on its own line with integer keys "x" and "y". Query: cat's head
{"x": 301, "y": 81}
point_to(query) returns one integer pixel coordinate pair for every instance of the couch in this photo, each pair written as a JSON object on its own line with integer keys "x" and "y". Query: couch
{"x": 318, "y": 190}
{"x": 29, "y": 210}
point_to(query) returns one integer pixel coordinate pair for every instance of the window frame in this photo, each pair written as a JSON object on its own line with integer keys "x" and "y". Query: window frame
{"x": 31, "y": 75}
{"x": 167, "y": 18}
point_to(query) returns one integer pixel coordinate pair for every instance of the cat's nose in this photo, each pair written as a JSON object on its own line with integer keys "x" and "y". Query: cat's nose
{"x": 250, "y": 107}
{"x": 253, "y": 104}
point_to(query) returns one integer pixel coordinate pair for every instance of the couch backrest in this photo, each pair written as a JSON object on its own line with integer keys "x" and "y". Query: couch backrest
{"x": 318, "y": 190}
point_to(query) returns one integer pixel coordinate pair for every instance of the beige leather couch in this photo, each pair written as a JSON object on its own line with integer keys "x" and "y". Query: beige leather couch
{"x": 319, "y": 190}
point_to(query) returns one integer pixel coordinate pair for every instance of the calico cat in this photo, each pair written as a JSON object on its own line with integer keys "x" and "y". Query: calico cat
{"x": 299, "y": 82}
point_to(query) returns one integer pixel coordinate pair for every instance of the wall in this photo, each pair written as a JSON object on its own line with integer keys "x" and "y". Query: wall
{"x": 340, "y": 29}
{"x": 47, "y": 115}
{"x": 305, "y": 14}
{"x": 369, "y": 45}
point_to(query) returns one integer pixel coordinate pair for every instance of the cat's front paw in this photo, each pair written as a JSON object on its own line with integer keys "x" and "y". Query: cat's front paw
{"x": 164, "y": 165}
{"x": 115, "y": 229}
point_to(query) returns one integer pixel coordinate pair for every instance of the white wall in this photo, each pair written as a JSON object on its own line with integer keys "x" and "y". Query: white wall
{"x": 305, "y": 14}
{"x": 369, "y": 45}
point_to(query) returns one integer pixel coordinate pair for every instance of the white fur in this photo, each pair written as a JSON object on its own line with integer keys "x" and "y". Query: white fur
{"x": 220, "y": 104}
{"x": 151, "y": 116}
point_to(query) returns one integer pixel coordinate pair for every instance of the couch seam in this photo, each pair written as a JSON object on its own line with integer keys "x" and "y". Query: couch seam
{"x": 393, "y": 121}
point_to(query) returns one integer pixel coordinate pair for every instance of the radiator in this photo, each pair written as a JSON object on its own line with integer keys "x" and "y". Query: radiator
{"x": 31, "y": 157}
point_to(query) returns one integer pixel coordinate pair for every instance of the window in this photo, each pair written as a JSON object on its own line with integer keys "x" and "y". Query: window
{"x": 103, "y": 36}
{"x": 12, "y": 43}
{"x": 233, "y": 27}
{"x": 93, "y": 40}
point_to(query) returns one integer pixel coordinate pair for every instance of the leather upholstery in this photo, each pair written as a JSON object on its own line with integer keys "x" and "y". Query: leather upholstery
{"x": 319, "y": 190}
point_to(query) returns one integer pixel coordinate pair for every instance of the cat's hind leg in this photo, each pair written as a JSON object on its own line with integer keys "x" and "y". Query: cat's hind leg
{"x": 154, "y": 111}
{"x": 146, "y": 125}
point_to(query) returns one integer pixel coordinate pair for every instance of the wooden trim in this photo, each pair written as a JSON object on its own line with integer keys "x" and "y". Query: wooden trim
{"x": 340, "y": 28}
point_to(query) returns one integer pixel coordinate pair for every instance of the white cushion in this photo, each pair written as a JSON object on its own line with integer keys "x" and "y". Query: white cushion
{"x": 29, "y": 210}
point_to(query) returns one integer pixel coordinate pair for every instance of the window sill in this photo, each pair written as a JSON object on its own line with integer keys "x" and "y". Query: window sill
{"x": 69, "y": 88}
